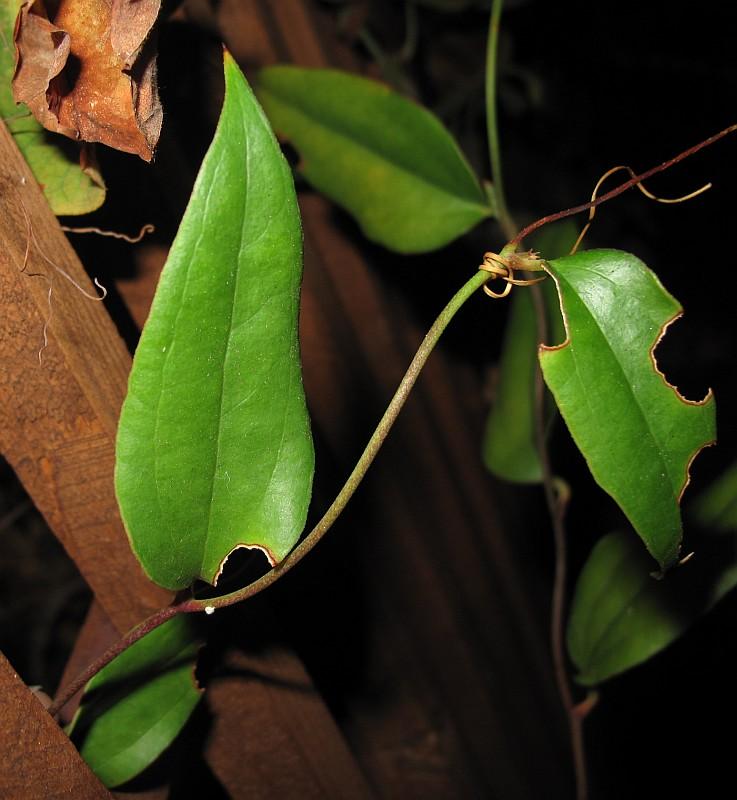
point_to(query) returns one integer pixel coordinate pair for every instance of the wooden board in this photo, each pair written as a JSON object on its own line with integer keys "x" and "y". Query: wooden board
{"x": 60, "y": 403}
{"x": 36, "y": 757}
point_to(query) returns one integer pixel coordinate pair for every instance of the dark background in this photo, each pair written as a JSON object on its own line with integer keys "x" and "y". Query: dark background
{"x": 583, "y": 87}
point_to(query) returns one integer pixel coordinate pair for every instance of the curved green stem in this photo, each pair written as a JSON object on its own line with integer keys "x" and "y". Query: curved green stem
{"x": 492, "y": 128}
{"x": 193, "y": 606}
{"x": 364, "y": 462}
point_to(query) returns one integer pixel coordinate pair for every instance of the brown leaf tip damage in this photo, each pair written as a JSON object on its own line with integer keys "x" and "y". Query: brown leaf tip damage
{"x": 88, "y": 70}
{"x": 265, "y": 550}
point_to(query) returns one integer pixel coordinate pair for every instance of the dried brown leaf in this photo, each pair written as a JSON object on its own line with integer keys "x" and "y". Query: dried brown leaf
{"x": 87, "y": 69}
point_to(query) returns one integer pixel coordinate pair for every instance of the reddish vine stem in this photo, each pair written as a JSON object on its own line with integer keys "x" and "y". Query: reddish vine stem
{"x": 149, "y": 624}
{"x": 569, "y": 212}
{"x": 557, "y": 504}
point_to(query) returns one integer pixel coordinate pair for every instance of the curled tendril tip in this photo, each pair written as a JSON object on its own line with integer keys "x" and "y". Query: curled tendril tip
{"x": 500, "y": 266}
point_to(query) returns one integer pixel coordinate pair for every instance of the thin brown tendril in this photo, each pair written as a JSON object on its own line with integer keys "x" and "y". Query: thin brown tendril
{"x": 31, "y": 238}
{"x": 32, "y": 241}
{"x": 499, "y": 267}
{"x": 65, "y": 274}
{"x": 639, "y": 184}
{"x": 148, "y": 228}
{"x": 638, "y": 179}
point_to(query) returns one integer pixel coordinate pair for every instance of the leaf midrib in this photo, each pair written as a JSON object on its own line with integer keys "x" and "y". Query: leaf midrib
{"x": 223, "y": 361}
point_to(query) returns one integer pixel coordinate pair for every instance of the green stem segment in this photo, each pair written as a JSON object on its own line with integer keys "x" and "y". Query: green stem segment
{"x": 193, "y": 606}
{"x": 492, "y": 129}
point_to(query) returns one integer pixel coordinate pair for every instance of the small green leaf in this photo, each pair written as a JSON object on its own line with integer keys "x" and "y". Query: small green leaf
{"x": 383, "y": 158}
{"x": 716, "y": 508}
{"x": 509, "y": 446}
{"x": 134, "y": 708}
{"x": 53, "y": 160}
{"x": 636, "y": 432}
{"x": 214, "y": 450}
{"x": 621, "y": 616}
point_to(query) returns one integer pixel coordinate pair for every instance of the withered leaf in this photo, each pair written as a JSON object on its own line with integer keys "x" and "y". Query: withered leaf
{"x": 87, "y": 69}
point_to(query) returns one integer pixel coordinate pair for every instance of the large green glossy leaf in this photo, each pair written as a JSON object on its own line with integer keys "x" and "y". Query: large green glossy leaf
{"x": 53, "y": 160}
{"x": 214, "y": 448}
{"x": 509, "y": 447}
{"x": 716, "y": 507}
{"x": 388, "y": 161}
{"x": 636, "y": 432}
{"x": 135, "y": 707}
{"x": 621, "y": 616}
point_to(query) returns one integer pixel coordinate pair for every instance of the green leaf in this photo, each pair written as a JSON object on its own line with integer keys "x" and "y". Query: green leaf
{"x": 509, "y": 447}
{"x": 621, "y": 616}
{"x": 134, "y": 708}
{"x": 636, "y": 432}
{"x": 214, "y": 450}
{"x": 53, "y": 160}
{"x": 383, "y": 158}
{"x": 716, "y": 508}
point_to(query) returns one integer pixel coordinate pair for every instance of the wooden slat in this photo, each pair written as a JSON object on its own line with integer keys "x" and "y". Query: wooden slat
{"x": 272, "y": 736}
{"x": 59, "y": 415}
{"x": 37, "y": 760}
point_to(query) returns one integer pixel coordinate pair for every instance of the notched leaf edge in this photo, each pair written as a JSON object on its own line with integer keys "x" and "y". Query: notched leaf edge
{"x": 708, "y": 397}
{"x": 567, "y": 340}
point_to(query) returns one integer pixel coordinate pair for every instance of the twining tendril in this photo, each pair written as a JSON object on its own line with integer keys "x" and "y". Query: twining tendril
{"x": 499, "y": 266}
{"x": 639, "y": 184}
{"x": 633, "y": 181}
{"x": 32, "y": 241}
{"x": 147, "y": 228}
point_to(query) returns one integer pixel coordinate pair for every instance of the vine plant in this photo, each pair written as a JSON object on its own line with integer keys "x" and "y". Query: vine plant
{"x": 214, "y": 450}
